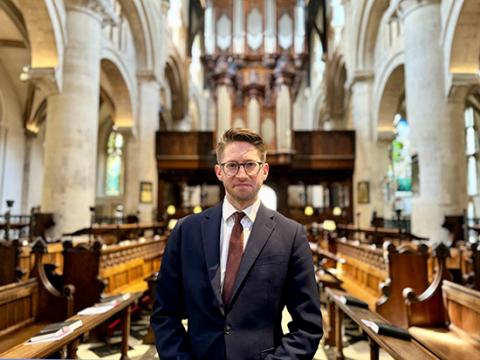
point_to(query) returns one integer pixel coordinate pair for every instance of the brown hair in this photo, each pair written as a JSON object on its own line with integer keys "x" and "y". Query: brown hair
{"x": 243, "y": 135}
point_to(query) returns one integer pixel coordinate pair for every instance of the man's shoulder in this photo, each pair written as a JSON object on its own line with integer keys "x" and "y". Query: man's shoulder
{"x": 197, "y": 218}
{"x": 282, "y": 219}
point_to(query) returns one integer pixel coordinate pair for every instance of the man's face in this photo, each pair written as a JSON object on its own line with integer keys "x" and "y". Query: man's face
{"x": 242, "y": 188}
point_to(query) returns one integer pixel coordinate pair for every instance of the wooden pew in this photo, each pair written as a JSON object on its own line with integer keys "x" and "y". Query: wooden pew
{"x": 363, "y": 271}
{"x": 406, "y": 267}
{"x": 472, "y": 267}
{"x": 9, "y": 264}
{"x": 397, "y": 348}
{"x": 376, "y": 235}
{"x": 446, "y": 316}
{"x": 378, "y": 276}
{"x": 26, "y": 258}
{"x": 27, "y": 306}
{"x": 115, "y": 233}
{"x": 71, "y": 341}
{"x": 111, "y": 269}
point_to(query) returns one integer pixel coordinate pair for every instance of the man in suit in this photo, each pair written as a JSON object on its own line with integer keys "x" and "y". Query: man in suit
{"x": 232, "y": 269}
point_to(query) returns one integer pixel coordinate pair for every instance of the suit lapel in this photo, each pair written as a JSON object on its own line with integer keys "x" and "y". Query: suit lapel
{"x": 261, "y": 231}
{"x": 211, "y": 247}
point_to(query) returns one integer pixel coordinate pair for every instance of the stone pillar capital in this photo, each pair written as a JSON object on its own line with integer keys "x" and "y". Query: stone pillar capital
{"x": 100, "y": 8}
{"x": 359, "y": 75}
{"x": 458, "y": 85}
{"x": 406, "y": 7}
{"x": 147, "y": 75}
{"x": 47, "y": 79}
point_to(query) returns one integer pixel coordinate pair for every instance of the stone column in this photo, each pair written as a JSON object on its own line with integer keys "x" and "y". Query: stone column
{"x": 371, "y": 155}
{"x": 284, "y": 74}
{"x": 224, "y": 110}
{"x": 299, "y": 27}
{"x": 141, "y": 162}
{"x": 72, "y": 121}
{"x": 209, "y": 32}
{"x": 270, "y": 43}
{"x": 238, "y": 27}
{"x": 436, "y": 126}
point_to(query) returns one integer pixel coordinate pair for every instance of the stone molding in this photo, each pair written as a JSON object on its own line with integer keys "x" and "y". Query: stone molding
{"x": 459, "y": 84}
{"x": 146, "y": 75}
{"x": 101, "y": 8}
{"x": 360, "y": 75}
{"x": 406, "y": 7}
{"x": 47, "y": 79}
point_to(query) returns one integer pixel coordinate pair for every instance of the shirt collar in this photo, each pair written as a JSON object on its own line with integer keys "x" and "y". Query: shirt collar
{"x": 250, "y": 212}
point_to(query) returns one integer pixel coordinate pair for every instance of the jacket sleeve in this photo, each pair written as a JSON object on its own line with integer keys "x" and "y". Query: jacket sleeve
{"x": 169, "y": 307}
{"x": 303, "y": 304}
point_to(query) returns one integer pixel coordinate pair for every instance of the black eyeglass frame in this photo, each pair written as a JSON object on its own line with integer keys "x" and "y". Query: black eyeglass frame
{"x": 260, "y": 163}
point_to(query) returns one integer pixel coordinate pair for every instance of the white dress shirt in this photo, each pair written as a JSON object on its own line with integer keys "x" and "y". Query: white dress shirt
{"x": 226, "y": 227}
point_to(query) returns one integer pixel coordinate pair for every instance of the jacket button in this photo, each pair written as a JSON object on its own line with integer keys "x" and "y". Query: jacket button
{"x": 227, "y": 329}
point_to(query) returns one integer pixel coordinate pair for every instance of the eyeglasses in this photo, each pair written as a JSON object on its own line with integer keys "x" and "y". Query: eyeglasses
{"x": 231, "y": 168}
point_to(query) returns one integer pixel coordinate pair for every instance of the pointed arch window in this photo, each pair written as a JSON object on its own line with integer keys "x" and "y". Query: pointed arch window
{"x": 114, "y": 164}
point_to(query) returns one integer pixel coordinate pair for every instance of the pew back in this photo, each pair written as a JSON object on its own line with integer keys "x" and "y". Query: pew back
{"x": 463, "y": 310}
{"x": 18, "y": 305}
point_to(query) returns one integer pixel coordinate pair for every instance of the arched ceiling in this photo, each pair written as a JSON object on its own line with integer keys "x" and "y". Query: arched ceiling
{"x": 14, "y": 46}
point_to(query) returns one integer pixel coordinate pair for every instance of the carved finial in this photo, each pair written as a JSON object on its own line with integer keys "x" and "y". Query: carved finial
{"x": 40, "y": 246}
{"x": 422, "y": 248}
{"x": 441, "y": 251}
{"x": 67, "y": 244}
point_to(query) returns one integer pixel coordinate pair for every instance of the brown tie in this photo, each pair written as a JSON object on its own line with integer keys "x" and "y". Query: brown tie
{"x": 235, "y": 252}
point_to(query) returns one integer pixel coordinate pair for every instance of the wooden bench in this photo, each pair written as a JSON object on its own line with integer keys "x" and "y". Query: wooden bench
{"x": 70, "y": 342}
{"x": 126, "y": 277}
{"x": 9, "y": 266}
{"x": 446, "y": 316}
{"x": 397, "y": 348}
{"x": 406, "y": 267}
{"x": 376, "y": 235}
{"x": 110, "y": 269}
{"x": 27, "y": 306}
{"x": 363, "y": 271}
{"x": 378, "y": 276}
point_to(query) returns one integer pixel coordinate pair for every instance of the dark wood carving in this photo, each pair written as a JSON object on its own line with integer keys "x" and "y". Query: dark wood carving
{"x": 9, "y": 262}
{"x": 426, "y": 309}
{"x": 407, "y": 267}
{"x": 81, "y": 266}
{"x": 53, "y": 305}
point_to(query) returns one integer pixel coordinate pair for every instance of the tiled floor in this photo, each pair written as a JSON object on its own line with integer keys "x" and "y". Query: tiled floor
{"x": 355, "y": 349}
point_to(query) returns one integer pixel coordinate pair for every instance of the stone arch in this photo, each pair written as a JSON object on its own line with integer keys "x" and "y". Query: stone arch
{"x": 461, "y": 43}
{"x": 174, "y": 75}
{"x": 142, "y": 33}
{"x": 388, "y": 89}
{"x": 46, "y": 32}
{"x": 368, "y": 22}
{"x": 121, "y": 89}
{"x": 336, "y": 78}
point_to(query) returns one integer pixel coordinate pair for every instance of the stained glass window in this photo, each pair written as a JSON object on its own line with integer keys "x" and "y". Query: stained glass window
{"x": 114, "y": 164}
{"x": 471, "y": 118}
{"x": 401, "y": 159}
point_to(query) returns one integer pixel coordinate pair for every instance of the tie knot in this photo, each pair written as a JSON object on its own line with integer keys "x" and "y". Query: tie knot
{"x": 238, "y": 216}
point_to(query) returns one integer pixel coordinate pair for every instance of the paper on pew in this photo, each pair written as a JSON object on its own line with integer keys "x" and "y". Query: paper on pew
{"x": 57, "y": 337}
{"x": 93, "y": 310}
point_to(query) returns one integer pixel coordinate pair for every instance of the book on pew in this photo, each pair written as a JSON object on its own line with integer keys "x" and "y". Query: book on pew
{"x": 382, "y": 328}
{"x": 104, "y": 305}
{"x": 113, "y": 300}
{"x": 353, "y": 301}
{"x": 56, "y": 331}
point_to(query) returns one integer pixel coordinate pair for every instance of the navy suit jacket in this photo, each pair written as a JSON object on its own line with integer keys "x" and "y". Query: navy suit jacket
{"x": 276, "y": 271}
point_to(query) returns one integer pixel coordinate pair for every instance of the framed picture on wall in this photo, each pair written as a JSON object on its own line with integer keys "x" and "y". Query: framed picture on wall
{"x": 363, "y": 192}
{"x": 146, "y": 192}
